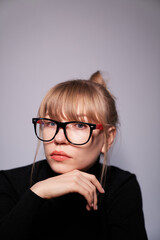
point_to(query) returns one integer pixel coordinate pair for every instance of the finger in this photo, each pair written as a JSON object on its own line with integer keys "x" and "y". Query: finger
{"x": 94, "y": 180}
{"x": 95, "y": 207}
{"x": 88, "y": 207}
{"x": 94, "y": 192}
{"x": 92, "y": 189}
{"x": 84, "y": 189}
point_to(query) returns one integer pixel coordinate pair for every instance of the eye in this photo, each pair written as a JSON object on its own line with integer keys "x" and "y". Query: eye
{"x": 80, "y": 125}
{"x": 46, "y": 123}
{"x": 50, "y": 124}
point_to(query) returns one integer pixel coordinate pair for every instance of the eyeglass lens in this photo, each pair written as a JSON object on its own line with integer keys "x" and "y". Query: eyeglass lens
{"x": 76, "y": 132}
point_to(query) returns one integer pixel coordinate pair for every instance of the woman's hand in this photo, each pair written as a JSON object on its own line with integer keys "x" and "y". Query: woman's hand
{"x": 75, "y": 181}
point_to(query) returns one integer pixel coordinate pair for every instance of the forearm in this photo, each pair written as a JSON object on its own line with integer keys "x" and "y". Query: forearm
{"x": 19, "y": 221}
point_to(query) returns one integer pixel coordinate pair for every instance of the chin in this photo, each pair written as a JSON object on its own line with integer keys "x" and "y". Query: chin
{"x": 60, "y": 167}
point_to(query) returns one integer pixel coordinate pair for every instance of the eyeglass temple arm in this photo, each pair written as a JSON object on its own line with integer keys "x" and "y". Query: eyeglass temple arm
{"x": 39, "y": 121}
{"x": 99, "y": 126}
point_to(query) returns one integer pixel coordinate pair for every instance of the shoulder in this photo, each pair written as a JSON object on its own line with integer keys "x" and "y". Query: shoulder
{"x": 117, "y": 178}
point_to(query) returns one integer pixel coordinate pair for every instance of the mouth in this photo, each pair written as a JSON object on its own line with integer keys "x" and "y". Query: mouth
{"x": 59, "y": 156}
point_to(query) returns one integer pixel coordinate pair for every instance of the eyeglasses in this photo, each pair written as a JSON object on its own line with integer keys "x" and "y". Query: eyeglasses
{"x": 77, "y": 133}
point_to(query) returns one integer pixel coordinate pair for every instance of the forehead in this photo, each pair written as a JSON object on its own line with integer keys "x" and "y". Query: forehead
{"x": 77, "y": 113}
{"x": 76, "y": 109}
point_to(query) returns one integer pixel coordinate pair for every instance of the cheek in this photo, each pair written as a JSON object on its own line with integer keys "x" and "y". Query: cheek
{"x": 48, "y": 148}
{"x": 96, "y": 142}
{"x": 91, "y": 151}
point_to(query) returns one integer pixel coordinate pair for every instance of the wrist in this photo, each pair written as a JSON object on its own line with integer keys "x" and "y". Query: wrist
{"x": 38, "y": 190}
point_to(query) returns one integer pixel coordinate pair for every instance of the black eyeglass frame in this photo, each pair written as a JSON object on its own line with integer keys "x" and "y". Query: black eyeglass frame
{"x": 63, "y": 126}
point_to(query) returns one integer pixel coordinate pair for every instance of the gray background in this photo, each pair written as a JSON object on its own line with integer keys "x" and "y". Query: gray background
{"x": 44, "y": 42}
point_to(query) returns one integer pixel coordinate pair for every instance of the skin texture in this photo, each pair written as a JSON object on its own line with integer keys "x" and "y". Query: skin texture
{"x": 73, "y": 177}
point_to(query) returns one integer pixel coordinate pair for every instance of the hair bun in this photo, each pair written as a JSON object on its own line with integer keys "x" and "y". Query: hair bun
{"x": 97, "y": 78}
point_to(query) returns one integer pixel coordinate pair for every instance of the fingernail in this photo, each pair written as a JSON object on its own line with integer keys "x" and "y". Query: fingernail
{"x": 88, "y": 208}
{"x": 96, "y": 207}
{"x": 103, "y": 190}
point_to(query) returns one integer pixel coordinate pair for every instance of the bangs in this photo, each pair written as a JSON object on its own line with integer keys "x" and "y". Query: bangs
{"x": 75, "y": 100}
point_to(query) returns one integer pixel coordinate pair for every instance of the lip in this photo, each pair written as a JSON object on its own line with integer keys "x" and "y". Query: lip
{"x": 59, "y": 156}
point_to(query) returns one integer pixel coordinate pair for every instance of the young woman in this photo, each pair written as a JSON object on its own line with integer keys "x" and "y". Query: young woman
{"x": 70, "y": 194}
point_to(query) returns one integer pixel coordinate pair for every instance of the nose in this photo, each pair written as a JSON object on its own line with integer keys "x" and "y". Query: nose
{"x": 60, "y": 137}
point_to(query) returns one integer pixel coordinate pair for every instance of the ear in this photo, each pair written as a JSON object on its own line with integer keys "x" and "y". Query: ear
{"x": 110, "y": 140}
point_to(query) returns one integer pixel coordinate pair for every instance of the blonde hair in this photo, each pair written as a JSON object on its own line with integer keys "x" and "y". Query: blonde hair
{"x": 91, "y": 97}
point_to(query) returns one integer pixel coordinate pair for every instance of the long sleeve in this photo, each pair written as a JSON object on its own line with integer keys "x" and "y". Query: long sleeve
{"x": 16, "y": 212}
{"x": 18, "y": 221}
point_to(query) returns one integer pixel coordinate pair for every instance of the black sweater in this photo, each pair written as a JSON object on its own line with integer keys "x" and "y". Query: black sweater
{"x": 24, "y": 215}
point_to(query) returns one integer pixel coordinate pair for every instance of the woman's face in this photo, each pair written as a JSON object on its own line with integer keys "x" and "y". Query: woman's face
{"x": 63, "y": 156}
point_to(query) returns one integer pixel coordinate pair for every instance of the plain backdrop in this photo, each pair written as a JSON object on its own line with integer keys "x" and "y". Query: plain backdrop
{"x": 44, "y": 42}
